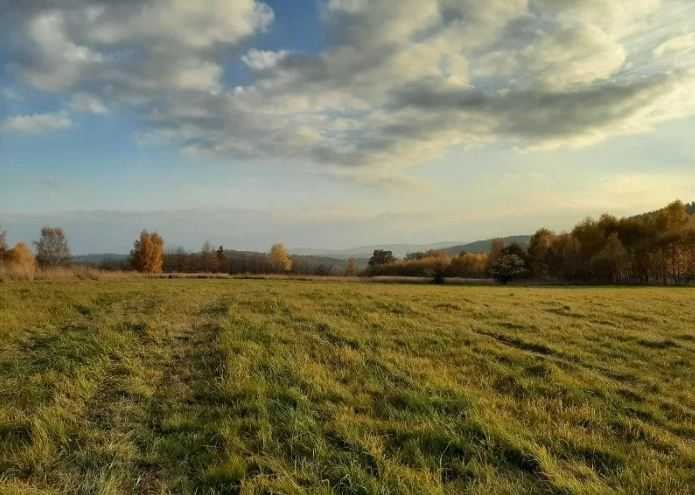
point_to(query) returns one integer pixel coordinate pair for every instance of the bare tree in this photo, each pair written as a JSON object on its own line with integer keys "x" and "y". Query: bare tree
{"x": 52, "y": 248}
{"x": 351, "y": 267}
{"x": 208, "y": 257}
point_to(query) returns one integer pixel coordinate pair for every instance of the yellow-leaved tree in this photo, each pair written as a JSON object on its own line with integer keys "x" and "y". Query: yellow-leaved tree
{"x": 147, "y": 255}
{"x": 280, "y": 259}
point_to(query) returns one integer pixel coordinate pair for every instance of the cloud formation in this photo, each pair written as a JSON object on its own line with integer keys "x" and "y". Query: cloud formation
{"x": 36, "y": 123}
{"x": 397, "y": 82}
{"x": 87, "y": 103}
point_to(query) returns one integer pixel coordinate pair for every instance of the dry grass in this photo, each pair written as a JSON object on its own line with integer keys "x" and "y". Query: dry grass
{"x": 83, "y": 273}
{"x": 272, "y": 386}
{"x": 64, "y": 274}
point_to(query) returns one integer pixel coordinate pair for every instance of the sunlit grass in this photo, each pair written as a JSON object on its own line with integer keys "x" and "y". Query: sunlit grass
{"x": 250, "y": 386}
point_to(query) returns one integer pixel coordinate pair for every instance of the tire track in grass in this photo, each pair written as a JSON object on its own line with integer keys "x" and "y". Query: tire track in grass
{"x": 148, "y": 426}
{"x": 111, "y": 415}
{"x": 105, "y": 452}
{"x": 179, "y": 439}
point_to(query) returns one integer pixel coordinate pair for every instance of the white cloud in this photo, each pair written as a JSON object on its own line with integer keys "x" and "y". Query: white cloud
{"x": 129, "y": 48}
{"x": 676, "y": 45}
{"x": 397, "y": 82}
{"x": 38, "y": 123}
{"x": 58, "y": 61}
{"x": 86, "y": 103}
{"x": 195, "y": 25}
{"x": 262, "y": 59}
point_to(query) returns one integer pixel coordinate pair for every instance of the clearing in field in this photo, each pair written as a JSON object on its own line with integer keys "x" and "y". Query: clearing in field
{"x": 195, "y": 386}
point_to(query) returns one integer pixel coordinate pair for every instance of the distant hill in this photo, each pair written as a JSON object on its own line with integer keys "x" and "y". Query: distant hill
{"x": 332, "y": 265}
{"x": 400, "y": 250}
{"x": 486, "y": 245}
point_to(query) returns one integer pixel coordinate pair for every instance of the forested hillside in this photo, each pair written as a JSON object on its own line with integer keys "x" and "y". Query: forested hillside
{"x": 655, "y": 247}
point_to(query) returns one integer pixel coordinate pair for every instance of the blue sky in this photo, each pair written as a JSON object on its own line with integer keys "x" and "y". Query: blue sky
{"x": 339, "y": 123}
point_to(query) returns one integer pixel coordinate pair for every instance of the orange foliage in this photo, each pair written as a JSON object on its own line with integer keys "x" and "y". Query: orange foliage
{"x": 19, "y": 261}
{"x": 280, "y": 259}
{"x": 148, "y": 253}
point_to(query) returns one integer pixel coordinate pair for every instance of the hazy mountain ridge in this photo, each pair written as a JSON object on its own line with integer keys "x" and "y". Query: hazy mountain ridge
{"x": 400, "y": 250}
{"x": 338, "y": 257}
{"x": 485, "y": 246}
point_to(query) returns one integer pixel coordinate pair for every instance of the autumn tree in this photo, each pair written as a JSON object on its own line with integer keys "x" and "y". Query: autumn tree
{"x": 147, "y": 255}
{"x": 674, "y": 217}
{"x": 468, "y": 265}
{"x": 656, "y": 246}
{"x": 280, "y": 259}
{"x": 20, "y": 261}
{"x": 689, "y": 245}
{"x": 438, "y": 266}
{"x": 610, "y": 264}
{"x": 539, "y": 249}
{"x": 52, "y": 247}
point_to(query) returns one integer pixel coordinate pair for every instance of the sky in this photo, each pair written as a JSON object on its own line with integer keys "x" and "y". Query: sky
{"x": 339, "y": 123}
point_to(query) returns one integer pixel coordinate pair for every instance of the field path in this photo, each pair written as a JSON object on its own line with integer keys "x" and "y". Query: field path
{"x": 138, "y": 429}
{"x": 173, "y": 444}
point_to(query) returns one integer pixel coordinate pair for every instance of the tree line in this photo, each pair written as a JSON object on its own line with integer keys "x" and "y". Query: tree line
{"x": 148, "y": 255}
{"x": 657, "y": 247}
{"x": 219, "y": 260}
{"x": 653, "y": 248}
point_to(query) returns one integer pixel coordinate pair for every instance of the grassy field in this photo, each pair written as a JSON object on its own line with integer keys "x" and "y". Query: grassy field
{"x": 247, "y": 386}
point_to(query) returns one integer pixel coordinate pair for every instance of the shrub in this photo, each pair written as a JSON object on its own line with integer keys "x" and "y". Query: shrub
{"x": 19, "y": 262}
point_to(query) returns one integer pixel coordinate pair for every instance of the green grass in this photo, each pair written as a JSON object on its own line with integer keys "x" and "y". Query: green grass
{"x": 245, "y": 386}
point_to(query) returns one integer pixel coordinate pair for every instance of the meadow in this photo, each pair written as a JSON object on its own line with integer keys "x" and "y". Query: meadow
{"x": 308, "y": 387}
